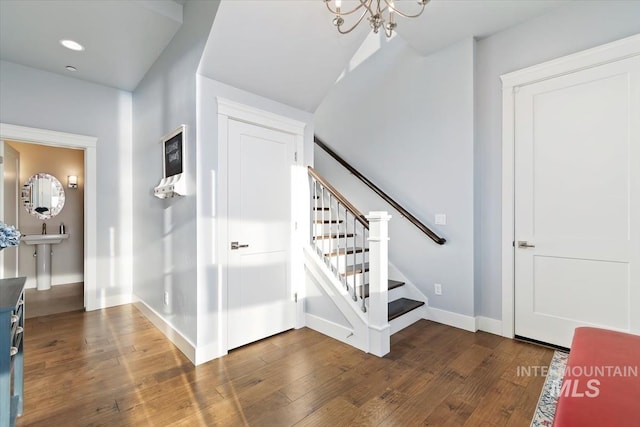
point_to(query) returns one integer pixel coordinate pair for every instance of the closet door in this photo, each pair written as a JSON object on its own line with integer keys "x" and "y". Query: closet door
{"x": 577, "y": 203}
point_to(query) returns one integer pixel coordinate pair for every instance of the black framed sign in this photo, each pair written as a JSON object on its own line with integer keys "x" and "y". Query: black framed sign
{"x": 173, "y": 150}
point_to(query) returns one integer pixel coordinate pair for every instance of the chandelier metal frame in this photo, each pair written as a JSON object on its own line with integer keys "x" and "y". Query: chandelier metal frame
{"x": 381, "y": 14}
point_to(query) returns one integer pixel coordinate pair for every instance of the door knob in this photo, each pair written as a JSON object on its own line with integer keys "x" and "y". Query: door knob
{"x": 525, "y": 244}
{"x": 235, "y": 245}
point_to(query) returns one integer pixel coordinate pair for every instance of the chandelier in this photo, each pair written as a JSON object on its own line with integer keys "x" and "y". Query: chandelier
{"x": 381, "y": 14}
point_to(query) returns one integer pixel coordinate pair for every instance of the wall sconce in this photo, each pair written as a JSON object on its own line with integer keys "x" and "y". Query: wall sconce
{"x": 72, "y": 181}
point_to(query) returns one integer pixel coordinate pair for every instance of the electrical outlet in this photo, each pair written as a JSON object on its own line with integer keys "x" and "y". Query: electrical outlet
{"x": 440, "y": 219}
{"x": 166, "y": 298}
{"x": 437, "y": 288}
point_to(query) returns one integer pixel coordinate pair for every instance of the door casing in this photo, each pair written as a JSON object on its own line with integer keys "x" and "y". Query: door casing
{"x": 610, "y": 52}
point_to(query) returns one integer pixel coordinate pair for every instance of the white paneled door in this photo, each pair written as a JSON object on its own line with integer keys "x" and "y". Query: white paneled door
{"x": 260, "y": 300}
{"x": 577, "y": 203}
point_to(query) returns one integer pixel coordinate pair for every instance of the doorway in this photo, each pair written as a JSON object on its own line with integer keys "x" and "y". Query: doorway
{"x": 88, "y": 144}
{"x": 66, "y": 290}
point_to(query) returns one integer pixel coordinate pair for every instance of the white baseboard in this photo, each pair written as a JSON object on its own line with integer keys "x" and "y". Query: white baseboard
{"x": 487, "y": 324}
{"x": 333, "y": 330}
{"x": 450, "y": 318}
{"x": 179, "y": 340}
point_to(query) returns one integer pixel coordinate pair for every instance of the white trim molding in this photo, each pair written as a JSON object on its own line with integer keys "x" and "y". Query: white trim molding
{"x": 486, "y": 324}
{"x": 247, "y": 114}
{"x": 460, "y": 321}
{"x": 511, "y": 82}
{"x": 92, "y": 300}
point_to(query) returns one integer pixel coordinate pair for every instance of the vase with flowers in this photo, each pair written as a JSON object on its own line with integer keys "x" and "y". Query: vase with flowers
{"x": 9, "y": 236}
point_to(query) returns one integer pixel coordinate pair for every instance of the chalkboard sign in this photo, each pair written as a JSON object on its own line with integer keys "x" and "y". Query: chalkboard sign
{"x": 173, "y": 149}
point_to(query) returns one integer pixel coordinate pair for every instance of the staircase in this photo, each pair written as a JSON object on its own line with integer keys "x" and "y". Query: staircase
{"x": 356, "y": 257}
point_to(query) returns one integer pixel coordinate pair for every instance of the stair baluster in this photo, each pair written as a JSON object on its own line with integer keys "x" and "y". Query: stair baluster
{"x": 364, "y": 241}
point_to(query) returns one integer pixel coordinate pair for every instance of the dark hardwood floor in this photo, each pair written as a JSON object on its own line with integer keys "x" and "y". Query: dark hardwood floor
{"x": 113, "y": 368}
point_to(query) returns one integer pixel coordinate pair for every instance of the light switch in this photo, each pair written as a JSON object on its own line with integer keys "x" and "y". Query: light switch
{"x": 441, "y": 219}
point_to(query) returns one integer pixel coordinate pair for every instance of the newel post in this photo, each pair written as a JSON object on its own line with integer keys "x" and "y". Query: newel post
{"x": 379, "y": 337}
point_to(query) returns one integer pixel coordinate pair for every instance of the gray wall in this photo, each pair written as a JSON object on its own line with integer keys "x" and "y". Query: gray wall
{"x": 573, "y": 28}
{"x": 409, "y": 128}
{"x": 165, "y": 230}
{"x": 40, "y": 99}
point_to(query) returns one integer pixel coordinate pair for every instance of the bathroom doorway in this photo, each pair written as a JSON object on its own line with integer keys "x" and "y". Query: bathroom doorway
{"x": 93, "y": 299}
{"x": 64, "y": 292}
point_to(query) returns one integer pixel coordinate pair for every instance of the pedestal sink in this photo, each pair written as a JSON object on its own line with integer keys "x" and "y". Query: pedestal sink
{"x": 43, "y": 244}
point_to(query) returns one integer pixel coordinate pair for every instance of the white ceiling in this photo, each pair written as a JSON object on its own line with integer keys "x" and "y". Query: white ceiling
{"x": 286, "y": 50}
{"x": 444, "y": 22}
{"x": 289, "y": 51}
{"x": 122, "y": 39}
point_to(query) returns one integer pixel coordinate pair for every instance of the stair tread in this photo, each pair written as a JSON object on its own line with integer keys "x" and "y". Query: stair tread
{"x": 320, "y": 208}
{"x": 326, "y": 221}
{"x": 347, "y": 251}
{"x": 402, "y": 306}
{"x": 391, "y": 284}
{"x": 395, "y": 284}
{"x": 333, "y": 236}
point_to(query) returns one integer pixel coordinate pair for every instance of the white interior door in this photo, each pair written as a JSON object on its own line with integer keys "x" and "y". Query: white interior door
{"x": 10, "y": 195}
{"x": 577, "y": 203}
{"x": 260, "y": 300}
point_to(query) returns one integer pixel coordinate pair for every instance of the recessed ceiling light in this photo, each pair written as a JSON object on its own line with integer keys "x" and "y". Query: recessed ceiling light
{"x": 71, "y": 68}
{"x": 73, "y": 45}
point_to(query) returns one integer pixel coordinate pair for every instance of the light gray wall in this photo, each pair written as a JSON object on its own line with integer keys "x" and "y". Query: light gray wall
{"x": 165, "y": 230}
{"x": 578, "y": 26}
{"x": 410, "y": 130}
{"x": 39, "y": 99}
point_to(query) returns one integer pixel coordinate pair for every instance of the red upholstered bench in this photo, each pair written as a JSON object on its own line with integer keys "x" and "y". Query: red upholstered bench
{"x": 601, "y": 386}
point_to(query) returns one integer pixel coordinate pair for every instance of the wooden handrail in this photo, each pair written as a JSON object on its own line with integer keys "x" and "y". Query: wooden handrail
{"x": 343, "y": 200}
{"x": 412, "y": 219}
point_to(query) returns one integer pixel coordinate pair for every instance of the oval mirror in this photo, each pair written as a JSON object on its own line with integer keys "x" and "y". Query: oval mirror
{"x": 43, "y": 196}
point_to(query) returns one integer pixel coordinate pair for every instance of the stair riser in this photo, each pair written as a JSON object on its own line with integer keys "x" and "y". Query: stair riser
{"x": 342, "y": 261}
{"x": 397, "y": 293}
{"x": 319, "y": 214}
{"x": 329, "y": 245}
{"x": 320, "y": 229}
{"x": 358, "y": 279}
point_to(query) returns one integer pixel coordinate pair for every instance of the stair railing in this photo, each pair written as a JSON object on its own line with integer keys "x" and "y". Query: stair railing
{"x": 405, "y": 213}
{"x": 339, "y": 235}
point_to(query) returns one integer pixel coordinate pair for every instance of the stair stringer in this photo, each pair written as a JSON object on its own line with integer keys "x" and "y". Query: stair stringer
{"x": 358, "y": 335}
{"x": 411, "y": 291}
